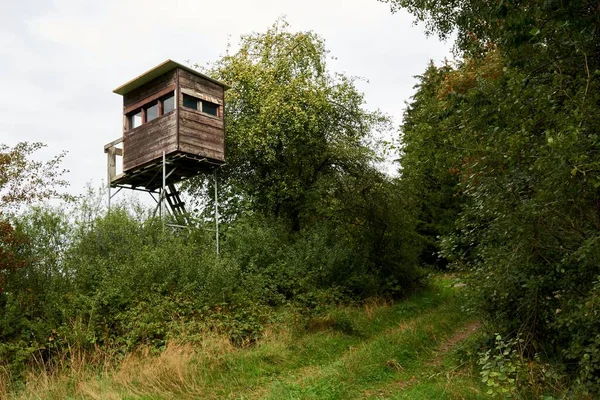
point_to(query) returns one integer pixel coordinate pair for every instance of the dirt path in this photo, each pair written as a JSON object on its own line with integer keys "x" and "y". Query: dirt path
{"x": 452, "y": 341}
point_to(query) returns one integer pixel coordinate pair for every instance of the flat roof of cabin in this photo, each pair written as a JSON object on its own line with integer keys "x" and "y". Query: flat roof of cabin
{"x": 158, "y": 71}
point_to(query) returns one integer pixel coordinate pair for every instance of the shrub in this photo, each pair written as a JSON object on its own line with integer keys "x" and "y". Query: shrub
{"x": 117, "y": 281}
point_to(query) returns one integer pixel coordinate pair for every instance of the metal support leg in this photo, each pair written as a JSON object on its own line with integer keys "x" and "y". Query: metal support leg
{"x": 111, "y": 195}
{"x": 164, "y": 186}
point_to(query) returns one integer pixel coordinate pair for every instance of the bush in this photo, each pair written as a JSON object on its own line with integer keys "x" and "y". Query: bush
{"x": 118, "y": 280}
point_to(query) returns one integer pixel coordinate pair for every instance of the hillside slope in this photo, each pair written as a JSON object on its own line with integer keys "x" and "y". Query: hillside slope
{"x": 376, "y": 351}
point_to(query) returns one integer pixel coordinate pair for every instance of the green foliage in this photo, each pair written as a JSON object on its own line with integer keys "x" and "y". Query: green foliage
{"x": 301, "y": 154}
{"x": 116, "y": 282}
{"x": 429, "y": 178}
{"x": 516, "y": 123}
{"x": 499, "y": 367}
{"x": 23, "y": 180}
{"x": 13, "y": 250}
{"x": 558, "y": 29}
{"x": 293, "y": 128}
{"x": 113, "y": 282}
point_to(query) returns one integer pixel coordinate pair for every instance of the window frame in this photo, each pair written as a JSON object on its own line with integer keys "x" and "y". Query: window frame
{"x": 151, "y": 104}
{"x": 161, "y": 102}
{"x": 130, "y": 116}
{"x": 158, "y": 100}
{"x": 217, "y": 106}
{"x": 200, "y": 100}
{"x": 197, "y": 101}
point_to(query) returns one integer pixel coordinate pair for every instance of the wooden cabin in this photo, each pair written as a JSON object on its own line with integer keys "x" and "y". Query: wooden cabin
{"x": 172, "y": 109}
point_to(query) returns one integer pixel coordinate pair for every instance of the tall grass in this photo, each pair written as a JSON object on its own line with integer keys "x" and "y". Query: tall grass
{"x": 386, "y": 354}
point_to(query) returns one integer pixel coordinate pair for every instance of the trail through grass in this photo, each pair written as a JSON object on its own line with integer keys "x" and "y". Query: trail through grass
{"x": 378, "y": 351}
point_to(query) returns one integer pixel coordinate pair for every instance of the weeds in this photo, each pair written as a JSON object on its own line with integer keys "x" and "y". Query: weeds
{"x": 388, "y": 359}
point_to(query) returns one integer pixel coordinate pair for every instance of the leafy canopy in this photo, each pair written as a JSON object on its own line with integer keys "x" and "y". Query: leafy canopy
{"x": 23, "y": 180}
{"x": 292, "y": 126}
{"x": 516, "y": 121}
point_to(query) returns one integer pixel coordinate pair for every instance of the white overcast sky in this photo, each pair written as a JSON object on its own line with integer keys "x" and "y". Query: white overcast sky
{"x": 61, "y": 59}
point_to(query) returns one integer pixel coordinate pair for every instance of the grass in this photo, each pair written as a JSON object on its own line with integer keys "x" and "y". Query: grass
{"x": 377, "y": 351}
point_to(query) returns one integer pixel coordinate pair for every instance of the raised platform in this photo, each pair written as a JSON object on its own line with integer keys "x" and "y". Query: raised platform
{"x": 179, "y": 166}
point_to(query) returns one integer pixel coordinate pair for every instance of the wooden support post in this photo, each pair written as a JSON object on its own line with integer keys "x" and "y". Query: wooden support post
{"x": 111, "y": 164}
{"x": 111, "y": 170}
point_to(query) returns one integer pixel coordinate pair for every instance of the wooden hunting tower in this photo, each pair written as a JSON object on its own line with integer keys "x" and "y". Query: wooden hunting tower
{"x": 170, "y": 109}
{"x": 172, "y": 123}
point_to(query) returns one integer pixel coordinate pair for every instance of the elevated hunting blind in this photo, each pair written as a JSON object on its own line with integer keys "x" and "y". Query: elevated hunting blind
{"x": 172, "y": 123}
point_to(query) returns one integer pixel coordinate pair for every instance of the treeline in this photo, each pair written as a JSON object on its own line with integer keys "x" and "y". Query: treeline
{"x": 502, "y": 158}
{"x": 307, "y": 220}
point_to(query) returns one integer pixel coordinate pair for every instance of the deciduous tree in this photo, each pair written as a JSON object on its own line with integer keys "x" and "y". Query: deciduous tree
{"x": 24, "y": 180}
{"x": 292, "y": 126}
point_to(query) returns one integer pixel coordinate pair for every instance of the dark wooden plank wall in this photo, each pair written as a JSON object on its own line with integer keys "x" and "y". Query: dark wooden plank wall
{"x": 149, "y": 88}
{"x": 147, "y": 142}
{"x": 191, "y": 81}
{"x": 199, "y": 133}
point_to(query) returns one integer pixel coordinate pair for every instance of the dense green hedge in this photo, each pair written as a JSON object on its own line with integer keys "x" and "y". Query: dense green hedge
{"x": 512, "y": 132}
{"x": 119, "y": 281}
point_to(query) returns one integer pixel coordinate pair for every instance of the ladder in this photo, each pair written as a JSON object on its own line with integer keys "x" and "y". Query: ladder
{"x": 176, "y": 205}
